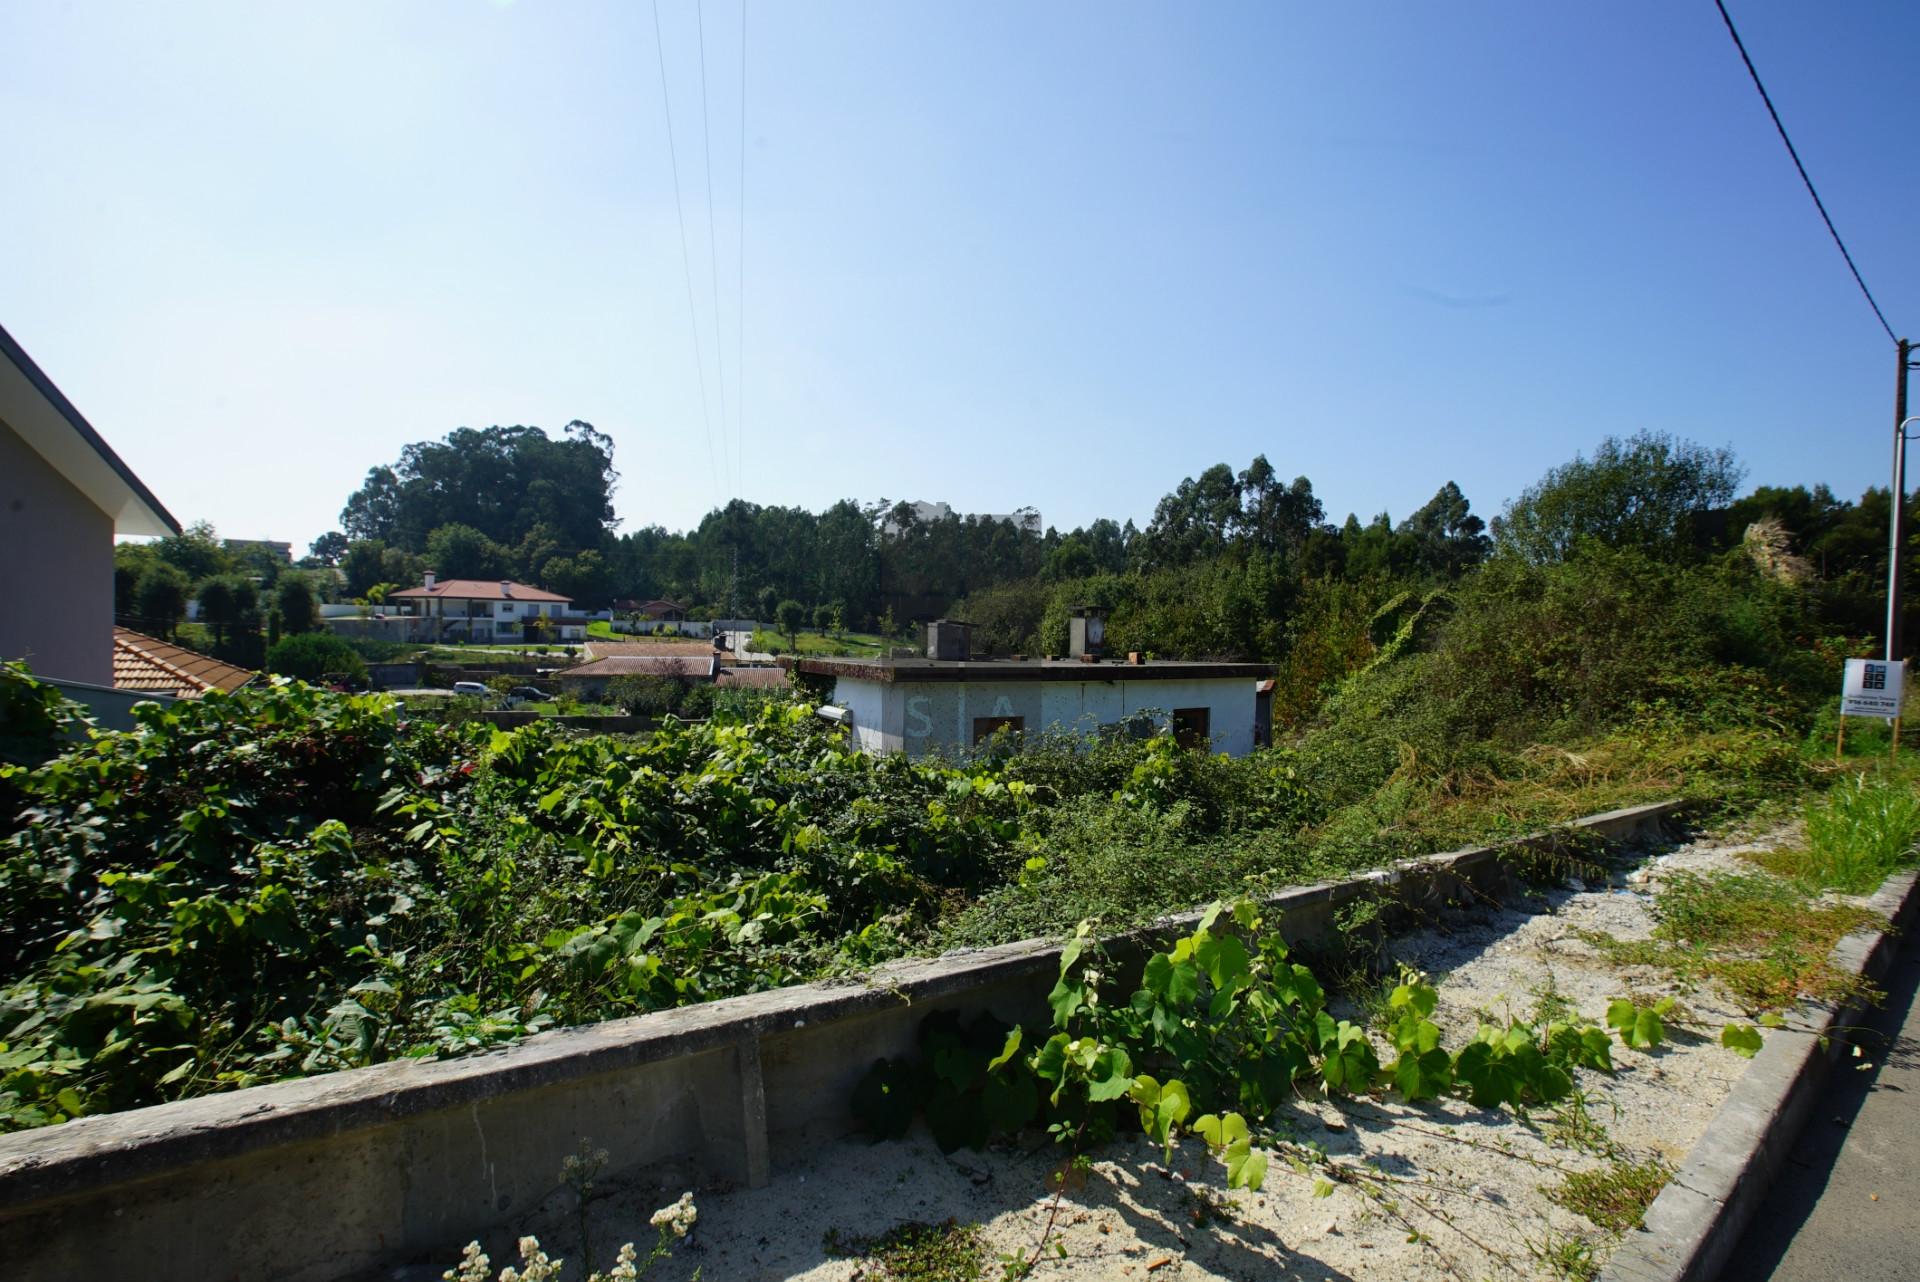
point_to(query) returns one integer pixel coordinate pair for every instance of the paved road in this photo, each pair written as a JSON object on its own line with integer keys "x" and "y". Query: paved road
{"x": 1847, "y": 1203}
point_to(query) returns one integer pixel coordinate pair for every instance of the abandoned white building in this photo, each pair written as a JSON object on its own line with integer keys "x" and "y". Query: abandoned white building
{"x": 950, "y": 701}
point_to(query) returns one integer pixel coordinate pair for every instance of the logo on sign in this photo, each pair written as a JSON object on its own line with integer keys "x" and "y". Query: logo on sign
{"x": 1873, "y": 688}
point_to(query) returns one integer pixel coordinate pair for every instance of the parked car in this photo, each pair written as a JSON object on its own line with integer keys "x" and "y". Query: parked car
{"x": 525, "y": 694}
{"x": 470, "y": 689}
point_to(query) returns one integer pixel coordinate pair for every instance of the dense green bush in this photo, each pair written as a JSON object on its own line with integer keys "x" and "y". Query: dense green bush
{"x": 312, "y": 656}
{"x": 287, "y": 880}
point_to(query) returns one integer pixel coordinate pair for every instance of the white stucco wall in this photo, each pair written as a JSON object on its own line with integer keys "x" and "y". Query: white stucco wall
{"x": 865, "y": 700}
{"x": 917, "y": 717}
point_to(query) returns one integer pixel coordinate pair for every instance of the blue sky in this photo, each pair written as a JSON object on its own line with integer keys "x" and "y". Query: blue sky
{"x": 1058, "y": 255}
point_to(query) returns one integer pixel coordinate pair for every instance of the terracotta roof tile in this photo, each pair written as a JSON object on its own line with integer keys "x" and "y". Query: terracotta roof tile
{"x": 141, "y": 662}
{"x": 752, "y": 678}
{"x": 478, "y": 590}
{"x": 649, "y": 665}
{"x": 693, "y": 648}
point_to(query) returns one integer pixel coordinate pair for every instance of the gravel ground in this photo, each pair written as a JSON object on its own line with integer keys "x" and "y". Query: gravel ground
{"x": 1470, "y": 1180}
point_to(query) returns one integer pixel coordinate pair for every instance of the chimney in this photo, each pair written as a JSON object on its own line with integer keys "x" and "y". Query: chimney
{"x": 949, "y": 639}
{"x": 1087, "y": 632}
{"x": 429, "y": 583}
{"x": 506, "y": 588}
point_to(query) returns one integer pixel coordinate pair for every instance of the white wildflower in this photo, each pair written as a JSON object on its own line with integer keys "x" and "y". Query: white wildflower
{"x": 678, "y": 1217}
{"x": 473, "y": 1266}
{"x": 538, "y": 1268}
{"x": 624, "y": 1268}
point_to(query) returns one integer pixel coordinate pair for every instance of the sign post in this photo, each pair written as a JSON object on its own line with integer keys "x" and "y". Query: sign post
{"x": 1872, "y": 688}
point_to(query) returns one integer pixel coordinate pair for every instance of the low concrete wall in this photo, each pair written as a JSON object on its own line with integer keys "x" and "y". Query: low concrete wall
{"x": 332, "y": 1177}
{"x": 112, "y": 709}
{"x": 391, "y": 676}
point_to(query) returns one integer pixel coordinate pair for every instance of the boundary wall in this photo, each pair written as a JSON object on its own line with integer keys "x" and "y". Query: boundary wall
{"x": 340, "y": 1175}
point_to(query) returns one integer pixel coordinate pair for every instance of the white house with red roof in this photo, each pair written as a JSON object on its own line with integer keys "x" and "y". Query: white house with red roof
{"x": 488, "y": 610}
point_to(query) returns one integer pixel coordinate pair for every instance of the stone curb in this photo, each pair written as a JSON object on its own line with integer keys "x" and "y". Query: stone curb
{"x": 1695, "y": 1223}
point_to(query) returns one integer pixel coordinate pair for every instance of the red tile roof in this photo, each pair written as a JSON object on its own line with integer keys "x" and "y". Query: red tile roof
{"x": 752, "y": 678}
{"x": 690, "y": 647}
{"x": 141, "y": 662}
{"x": 637, "y": 665}
{"x": 479, "y": 590}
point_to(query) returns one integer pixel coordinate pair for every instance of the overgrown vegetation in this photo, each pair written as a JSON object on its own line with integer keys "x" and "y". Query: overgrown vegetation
{"x": 1755, "y": 934}
{"x": 1219, "y": 1034}
{"x": 287, "y": 881}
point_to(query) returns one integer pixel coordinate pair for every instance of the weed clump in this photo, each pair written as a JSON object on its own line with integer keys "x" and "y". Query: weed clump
{"x": 1755, "y": 933}
{"x": 1615, "y": 1196}
{"x": 914, "y": 1252}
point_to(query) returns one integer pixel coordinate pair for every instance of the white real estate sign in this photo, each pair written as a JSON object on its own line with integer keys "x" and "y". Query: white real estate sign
{"x": 1873, "y": 688}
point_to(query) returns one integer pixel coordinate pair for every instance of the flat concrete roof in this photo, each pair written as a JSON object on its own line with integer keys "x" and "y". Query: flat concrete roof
{"x": 893, "y": 671}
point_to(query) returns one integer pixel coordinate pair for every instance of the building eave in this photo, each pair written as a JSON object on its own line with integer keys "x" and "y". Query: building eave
{"x": 42, "y": 416}
{"x": 913, "y": 672}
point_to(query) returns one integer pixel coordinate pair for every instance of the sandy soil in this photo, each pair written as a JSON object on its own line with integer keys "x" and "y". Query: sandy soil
{"x": 1469, "y": 1179}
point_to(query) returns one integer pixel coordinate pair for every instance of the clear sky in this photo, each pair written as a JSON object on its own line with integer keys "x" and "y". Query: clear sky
{"x": 1057, "y": 254}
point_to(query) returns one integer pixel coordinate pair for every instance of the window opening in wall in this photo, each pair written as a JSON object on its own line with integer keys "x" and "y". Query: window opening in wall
{"x": 986, "y": 727}
{"x": 1192, "y": 728}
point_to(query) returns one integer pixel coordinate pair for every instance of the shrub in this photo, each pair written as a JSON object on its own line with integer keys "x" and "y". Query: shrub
{"x": 645, "y": 696}
{"x": 311, "y": 656}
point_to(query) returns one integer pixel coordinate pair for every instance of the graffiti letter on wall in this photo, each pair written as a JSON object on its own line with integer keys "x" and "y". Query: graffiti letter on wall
{"x": 922, "y": 724}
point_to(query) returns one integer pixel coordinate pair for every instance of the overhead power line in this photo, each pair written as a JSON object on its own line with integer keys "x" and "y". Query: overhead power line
{"x": 686, "y": 260}
{"x": 1817, "y": 202}
{"x": 740, "y": 330}
{"x": 713, "y": 254}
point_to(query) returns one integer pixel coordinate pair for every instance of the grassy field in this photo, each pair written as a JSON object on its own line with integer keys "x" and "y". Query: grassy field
{"x": 454, "y": 653}
{"x": 602, "y": 630}
{"x": 858, "y": 644}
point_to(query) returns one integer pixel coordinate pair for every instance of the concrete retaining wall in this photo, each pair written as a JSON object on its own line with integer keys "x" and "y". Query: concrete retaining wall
{"x": 332, "y": 1177}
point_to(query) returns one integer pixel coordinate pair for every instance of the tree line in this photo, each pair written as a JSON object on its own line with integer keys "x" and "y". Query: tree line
{"x": 1232, "y": 563}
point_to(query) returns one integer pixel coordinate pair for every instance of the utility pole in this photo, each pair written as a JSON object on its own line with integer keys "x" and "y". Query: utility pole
{"x": 1897, "y": 522}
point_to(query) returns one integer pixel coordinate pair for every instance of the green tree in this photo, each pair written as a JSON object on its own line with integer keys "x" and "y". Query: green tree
{"x": 313, "y": 656}
{"x": 1448, "y": 539}
{"x": 822, "y": 618}
{"x": 1645, "y": 493}
{"x": 162, "y": 600}
{"x": 461, "y": 552}
{"x": 584, "y": 578}
{"x": 227, "y": 604}
{"x": 502, "y": 481}
{"x": 196, "y": 552}
{"x": 371, "y": 562}
{"x": 646, "y": 696}
{"x": 328, "y": 548}
{"x": 791, "y": 617}
{"x": 768, "y": 599}
{"x": 293, "y": 598}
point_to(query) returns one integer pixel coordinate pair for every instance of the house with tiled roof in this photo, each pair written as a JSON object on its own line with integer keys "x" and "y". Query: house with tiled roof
{"x": 152, "y": 666}
{"x": 488, "y": 610}
{"x": 64, "y": 497}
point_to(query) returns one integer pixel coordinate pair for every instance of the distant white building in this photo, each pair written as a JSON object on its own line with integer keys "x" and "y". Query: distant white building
{"x": 950, "y": 704}
{"x": 1026, "y": 519}
{"x": 484, "y": 610}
